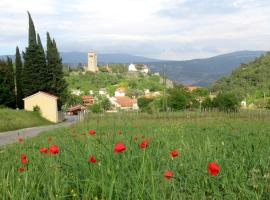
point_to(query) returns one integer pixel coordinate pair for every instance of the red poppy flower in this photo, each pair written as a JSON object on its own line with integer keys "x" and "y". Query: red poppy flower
{"x": 24, "y": 158}
{"x": 54, "y": 149}
{"x": 119, "y": 147}
{"x": 144, "y": 144}
{"x": 92, "y": 132}
{"x": 43, "y": 150}
{"x": 168, "y": 174}
{"x": 213, "y": 168}
{"x": 21, "y": 169}
{"x": 120, "y": 133}
{"x": 20, "y": 138}
{"x": 174, "y": 153}
{"x": 83, "y": 133}
{"x": 92, "y": 159}
{"x": 135, "y": 139}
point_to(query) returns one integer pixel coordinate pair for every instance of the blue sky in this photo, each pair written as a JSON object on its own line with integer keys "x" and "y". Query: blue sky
{"x": 164, "y": 29}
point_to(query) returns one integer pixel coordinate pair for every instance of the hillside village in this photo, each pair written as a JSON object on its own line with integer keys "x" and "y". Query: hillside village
{"x": 122, "y": 93}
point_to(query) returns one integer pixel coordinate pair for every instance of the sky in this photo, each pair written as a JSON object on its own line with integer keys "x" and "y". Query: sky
{"x": 163, "y": 29}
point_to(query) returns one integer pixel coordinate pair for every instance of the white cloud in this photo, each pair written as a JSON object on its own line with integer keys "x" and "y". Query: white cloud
{"x": 171, "y": 29}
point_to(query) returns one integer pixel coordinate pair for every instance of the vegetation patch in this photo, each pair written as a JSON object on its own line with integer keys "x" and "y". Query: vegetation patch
{"x": 184, "y": 155}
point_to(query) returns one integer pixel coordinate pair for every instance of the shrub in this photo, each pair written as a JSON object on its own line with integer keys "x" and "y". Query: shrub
{"x": 227, "y": 102}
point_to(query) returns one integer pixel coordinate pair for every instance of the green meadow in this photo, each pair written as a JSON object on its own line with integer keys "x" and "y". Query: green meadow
{"x": 239, "y": 143}
{"x": 11, "y": 119}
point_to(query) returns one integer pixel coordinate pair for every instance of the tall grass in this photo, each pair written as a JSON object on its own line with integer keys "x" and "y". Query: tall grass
{"x": 239, "y": 144}
{"x": 16, "y": 119}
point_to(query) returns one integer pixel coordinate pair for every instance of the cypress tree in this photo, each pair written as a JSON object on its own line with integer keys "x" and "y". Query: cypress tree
{"x": 58, "y": 85}
{"x": 34, "y": 76}
{"x": 31, "y": 32}
{"x": 7, "y": 84}
{"x": 43, "y": 72}
{"x": 19, "y": 67}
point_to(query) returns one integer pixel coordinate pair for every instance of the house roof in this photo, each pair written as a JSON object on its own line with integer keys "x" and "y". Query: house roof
{"x": 191, "y": 87}
{"x": 41, "y": 92}
{"x": 76, "y": 107}
{"x": 125, "y": 101}
{"x": 87, "y": 97}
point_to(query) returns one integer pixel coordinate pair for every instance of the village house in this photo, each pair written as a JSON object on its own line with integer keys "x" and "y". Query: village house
{"x": 120, "y": 92}
{"x": 74, "y": 110}
{"x": 132, "y": 68}
{"x": 103, "y": 91}
{"x": 124, "y": 103}
{"x": 88, "y": 100}
{"x": 191, "y": 88}
{"x": 47, "y": 105}
{"x": 138, "y": 68}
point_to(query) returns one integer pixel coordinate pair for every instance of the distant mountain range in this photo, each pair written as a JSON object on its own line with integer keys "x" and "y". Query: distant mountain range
{"x": 203, "y": 72}
{"x": 194, "y": 72}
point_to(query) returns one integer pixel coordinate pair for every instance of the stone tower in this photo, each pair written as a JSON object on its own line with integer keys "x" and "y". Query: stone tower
{"x": 92, "y": 62}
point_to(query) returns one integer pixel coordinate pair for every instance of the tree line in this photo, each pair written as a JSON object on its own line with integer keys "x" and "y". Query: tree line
{"x": 40, "y": 71}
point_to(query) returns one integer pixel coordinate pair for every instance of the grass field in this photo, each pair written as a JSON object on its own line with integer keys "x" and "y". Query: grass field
{"x": 16, "y": 119}
{"x": 239, "y": 143}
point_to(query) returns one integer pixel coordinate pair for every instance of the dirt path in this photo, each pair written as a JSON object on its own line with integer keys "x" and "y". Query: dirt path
{"x": 12, "y": 136}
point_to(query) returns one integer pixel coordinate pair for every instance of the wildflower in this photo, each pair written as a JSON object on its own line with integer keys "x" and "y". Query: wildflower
{"x": 119, "y": 147}
{"x": 24, "y": 158}
{"x": 142, "y": 136}
{"x": 120, "y": 133}
{"x": 174, "y": 153}
{"x": 20, "y": 138}
{"x": 135, "y": 139}
{"x": 144, "y": 144}
{"x": 21, "y": 169}
{"x": 43, "y": 150}
{"x": 92, "y": 132}
{"x": 213, "y": 168}
{"x": 92, "y": 159}
{"x": 54, "y": 149}
{"x": 168, "y": 174}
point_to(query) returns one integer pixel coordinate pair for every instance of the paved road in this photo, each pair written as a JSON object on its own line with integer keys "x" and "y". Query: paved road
{"x": 12, "y": 136}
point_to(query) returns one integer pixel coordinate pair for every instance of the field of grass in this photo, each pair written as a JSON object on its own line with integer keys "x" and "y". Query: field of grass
{"x": 239, "y": 143}
{"x": 16, "y": 119}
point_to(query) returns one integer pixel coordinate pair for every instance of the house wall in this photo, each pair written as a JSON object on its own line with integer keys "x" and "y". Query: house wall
{"x": 47, "y": 105}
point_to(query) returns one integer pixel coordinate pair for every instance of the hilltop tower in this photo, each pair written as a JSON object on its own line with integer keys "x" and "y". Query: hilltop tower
{"x": 92, "y": 62}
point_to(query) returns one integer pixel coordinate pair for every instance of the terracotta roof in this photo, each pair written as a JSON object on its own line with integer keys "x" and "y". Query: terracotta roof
{"x": 87, "y": 97}
{"x": 76, "y": 107}
{"x": 191, "y": 87}
{"x": 40, "y": 92}
{"x": 125, "y": 101}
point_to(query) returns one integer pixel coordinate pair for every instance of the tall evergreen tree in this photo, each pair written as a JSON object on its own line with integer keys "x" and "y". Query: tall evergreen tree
{"x": 57, "y": 82}
{"x": 7, "y": 83}
{"x": 34, "y": 76}
{"x": 43, "y": 72}
{"x": 19, "y": 67}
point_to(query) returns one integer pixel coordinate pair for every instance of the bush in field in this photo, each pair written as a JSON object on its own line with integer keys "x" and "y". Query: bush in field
{"x": 177, "y": 98}
{"x": 95, "y": 108}
{"x": 227, "y": 102}
{"x": 143, "y": 103}
{"x": 207, "y": 103}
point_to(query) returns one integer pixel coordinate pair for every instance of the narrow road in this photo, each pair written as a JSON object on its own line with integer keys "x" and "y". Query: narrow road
{"x": 12, "y": 136}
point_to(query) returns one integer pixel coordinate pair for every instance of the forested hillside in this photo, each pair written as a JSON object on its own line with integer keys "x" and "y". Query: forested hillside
{"x": 250, "y": 80}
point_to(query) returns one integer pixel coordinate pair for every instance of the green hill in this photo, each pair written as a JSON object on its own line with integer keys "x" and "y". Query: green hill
{"x": 249, "y": 81}
{"x": 134, "y": 82}
{"x": 16, "y": 119}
